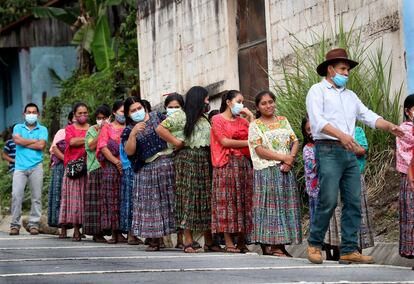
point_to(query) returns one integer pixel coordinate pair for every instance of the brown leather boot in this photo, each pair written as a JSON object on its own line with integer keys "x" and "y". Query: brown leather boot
{"x": 356, "y": 257}
{"x": 315, "y": 255}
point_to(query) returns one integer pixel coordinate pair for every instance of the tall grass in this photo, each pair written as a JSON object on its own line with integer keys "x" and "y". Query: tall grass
{"x": 370, "y": 80}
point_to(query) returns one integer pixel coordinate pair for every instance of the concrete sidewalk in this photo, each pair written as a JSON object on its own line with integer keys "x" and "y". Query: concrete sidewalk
{"x": 384, "y": 253}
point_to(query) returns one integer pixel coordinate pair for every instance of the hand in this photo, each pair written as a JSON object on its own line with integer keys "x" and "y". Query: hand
{"x": 396, "y": 130}
{"x": 139, "y": 127}
{"x": 285, "y": 168}
{"x": 179, "y": 145}
{"x": 118, "y": 166}
{"x": 245, "y": 111}
{"x": 289, "y": 160}
{"x": 349, "y": 143}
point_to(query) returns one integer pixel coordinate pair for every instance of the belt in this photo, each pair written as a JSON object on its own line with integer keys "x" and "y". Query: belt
{"x": 328, "y": 141}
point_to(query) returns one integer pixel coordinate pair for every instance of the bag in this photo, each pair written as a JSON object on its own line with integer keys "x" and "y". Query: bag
{"x": 76, "y": 168}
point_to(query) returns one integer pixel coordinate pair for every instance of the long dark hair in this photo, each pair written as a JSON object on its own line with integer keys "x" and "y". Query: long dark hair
{"x": 259, "y": 97}
{"x": 408, "y": 103}
{"x": 174, "y": 97}
{"x": 127, "y": 104}
{"x": 78, "y": 105}
{"x": 117, "y": 105}
{"x": 194, "y": 107}
{"x": 306, "y": 137}
{"x": 229, "y": 95}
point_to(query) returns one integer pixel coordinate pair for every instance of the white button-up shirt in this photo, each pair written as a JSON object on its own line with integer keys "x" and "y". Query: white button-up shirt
{"x": 338, "y": 107}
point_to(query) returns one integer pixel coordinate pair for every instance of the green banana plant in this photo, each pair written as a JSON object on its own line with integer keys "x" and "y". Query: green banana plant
{"x": 90, "y": 20}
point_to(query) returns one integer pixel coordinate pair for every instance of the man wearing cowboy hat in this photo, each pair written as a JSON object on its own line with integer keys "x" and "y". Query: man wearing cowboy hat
{"x": 333, "y": 111}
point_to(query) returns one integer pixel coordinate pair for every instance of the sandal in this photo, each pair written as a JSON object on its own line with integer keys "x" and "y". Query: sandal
{"x": 267, "y": 250}
{"x": 232, "y": 249}
{"x": 152, "y": 248}
{"x": 278, "y": 252}
{"x": 212, "y": 248}
{"x": 190, "y": 249}
{"x": 243, "y": 249}
{"x": 76, "y": 238}
{"x": 99, "y": 239}
{"x": 135, "y": 242}
{"x": 196, "y": 245}
{"x": 111, "y": 241}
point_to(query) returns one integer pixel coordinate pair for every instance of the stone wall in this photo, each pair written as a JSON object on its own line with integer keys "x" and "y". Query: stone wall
{"x": 186, "y": 43}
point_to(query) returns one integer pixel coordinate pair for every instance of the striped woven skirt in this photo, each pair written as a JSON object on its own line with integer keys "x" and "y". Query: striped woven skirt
{"x": 92, "y": 204}
{"x": 406, "y": 200}
{"x": 126, "y": 200}
{"x": 153, "y": 199}
{"x": 193, "y": 189}
{"x": 365, "y": 233}
{"x": 231, "y": 199}
{"x": 109, "y": 196}
{"x": 276, "y": 208}
{"x": 71, "y": 203}
{"x": 55, "y": 189}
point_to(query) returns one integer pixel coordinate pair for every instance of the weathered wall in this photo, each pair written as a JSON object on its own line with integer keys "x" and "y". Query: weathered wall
{"x": 408, "y": 19}
{"x": 380, "y": 21}
{"x": 186, "y": 43}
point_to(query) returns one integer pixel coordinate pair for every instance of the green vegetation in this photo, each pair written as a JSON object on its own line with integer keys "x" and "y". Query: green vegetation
{"x": 12, "y": 10}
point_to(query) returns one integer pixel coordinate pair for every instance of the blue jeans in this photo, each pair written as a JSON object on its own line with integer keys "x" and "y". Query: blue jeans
{"x": 337, "y": 168}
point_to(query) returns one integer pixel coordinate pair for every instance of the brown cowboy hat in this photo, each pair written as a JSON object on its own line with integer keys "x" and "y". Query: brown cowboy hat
{"x": 334, "y": 55}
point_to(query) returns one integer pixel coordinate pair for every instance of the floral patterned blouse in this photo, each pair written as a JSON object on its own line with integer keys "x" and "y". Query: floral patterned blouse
{"x": 405, "y": 147}
{"x": 277, "y": 136}
{"x": 201, "y": 134}
{"x": 311, "y": 175}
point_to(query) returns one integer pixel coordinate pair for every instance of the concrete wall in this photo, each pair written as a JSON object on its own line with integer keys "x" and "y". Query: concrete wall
{"x": 379, "y": 20}
{"x": 408, "y": 19}
{"x": 186, "y": 43}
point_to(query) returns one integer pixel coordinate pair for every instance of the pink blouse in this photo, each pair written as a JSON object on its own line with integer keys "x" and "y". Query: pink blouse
{"x": 60, "y": 135}
{"x": 74, "y": 153}
{"x": 222, "y": 128}
{"x": 405, "y": 147}
{"x": 108, "y": 131}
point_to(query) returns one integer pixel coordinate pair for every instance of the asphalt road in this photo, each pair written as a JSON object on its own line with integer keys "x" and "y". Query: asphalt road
{"x": 46, "y": 259}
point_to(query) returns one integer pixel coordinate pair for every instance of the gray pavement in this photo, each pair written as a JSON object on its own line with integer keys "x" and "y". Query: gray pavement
{"x": 47, "y": 259}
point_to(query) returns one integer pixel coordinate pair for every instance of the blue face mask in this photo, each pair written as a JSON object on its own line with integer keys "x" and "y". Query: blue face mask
{"x": 171, "y": 110}
{"x": 237, "y": 108}
{"x": 340, "y": 80}
{"x": 138, "y": 116}
{"x": 30, "y": 118}
{"x": 120, "y": 118}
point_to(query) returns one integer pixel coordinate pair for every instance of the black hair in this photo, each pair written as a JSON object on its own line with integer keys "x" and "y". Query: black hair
{"x": 408, "y": 103}
{"x": 212, "y": 113}
{"x": 31, "y": 105}
{"x": 78, "y": 105}
{"x": 306, "y": 137}
{"x": 147, "y": 105}
{"x": 229, "y": 95}
{"x": 103, "y": 109}
{"x": 8, "y": 133}
{"x": 174, "y": 97}
{"x": 117, "y": 105}
{"x": 70, "y": 116}
{"x": 127, "y": 105}
{"x": 194, "y": 108}
{"x": 259, "y": 97}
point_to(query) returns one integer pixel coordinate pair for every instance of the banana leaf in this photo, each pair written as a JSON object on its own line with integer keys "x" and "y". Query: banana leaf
{"x": 101, "y": 46}
{"x": 67, "y": 16}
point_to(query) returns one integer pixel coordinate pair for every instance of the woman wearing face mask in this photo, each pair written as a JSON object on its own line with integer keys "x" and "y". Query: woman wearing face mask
{"x": 173, "y": 103}
{"x": 153, "y": 191}
{"x": 71, "y": 205}
{"x": 92, "y": 202}
{"x": 107, "y": 152}
{"x": 404, "y": 155}
{"x": 192, "y": 167}
{"x": 276, "y": 202}
{"x": 57, "y": 172}
{"x": 232, "y": 172}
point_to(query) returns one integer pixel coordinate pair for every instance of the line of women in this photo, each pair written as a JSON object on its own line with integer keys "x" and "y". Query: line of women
{"x": 151, "y": 174}
{"x": 144, "y": 174}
